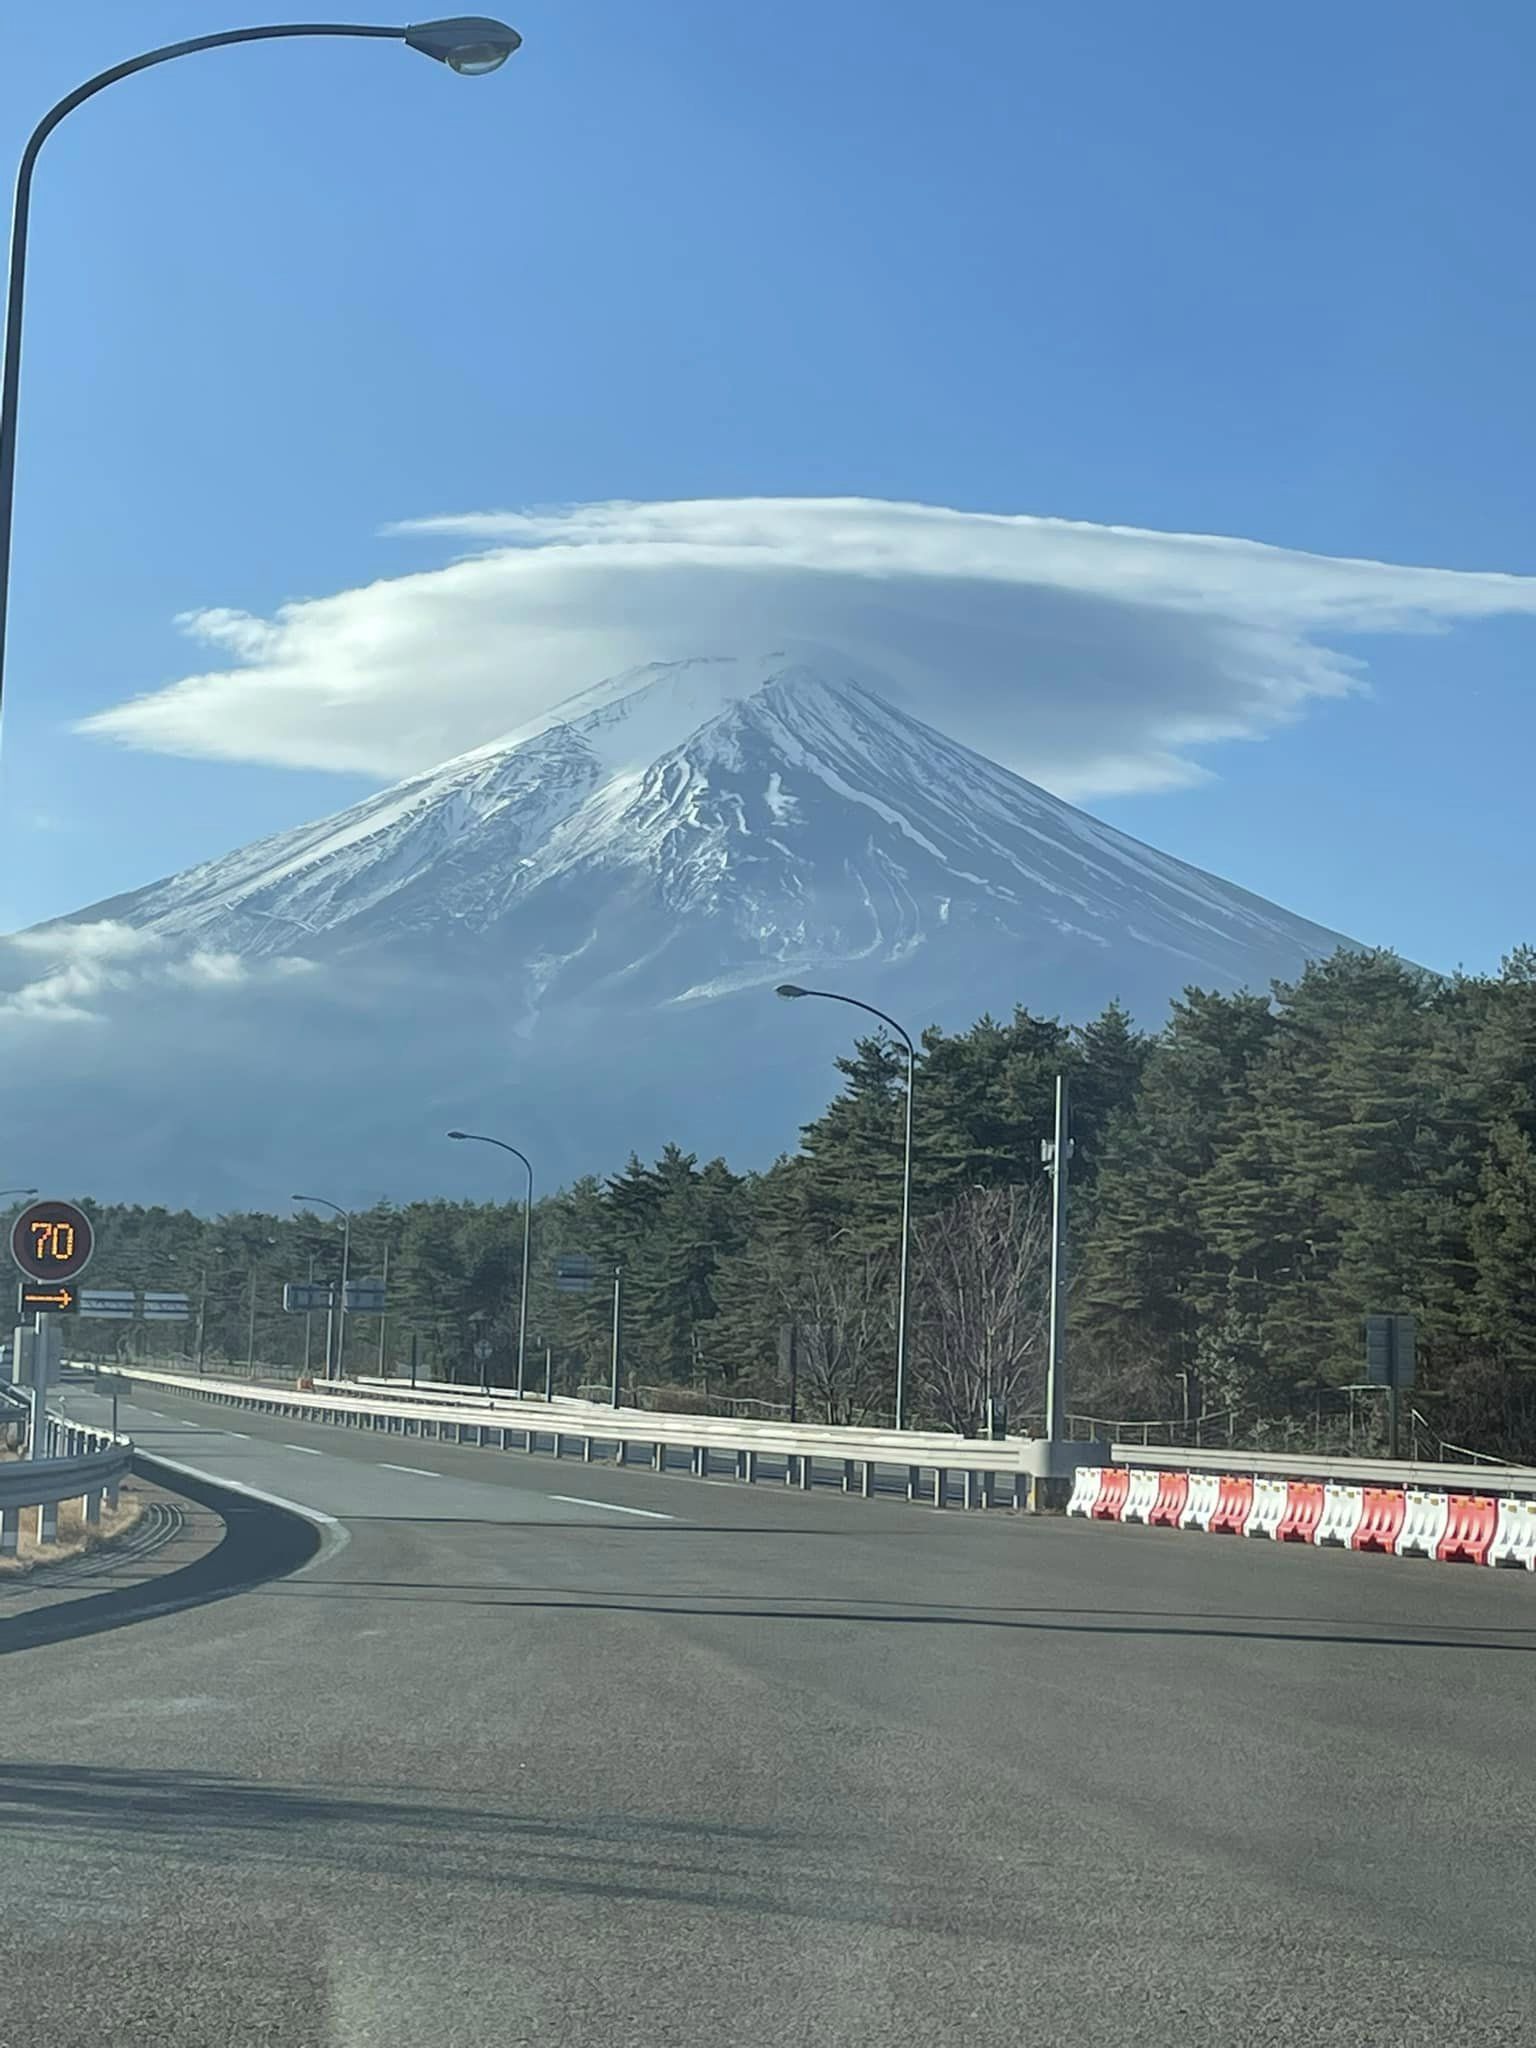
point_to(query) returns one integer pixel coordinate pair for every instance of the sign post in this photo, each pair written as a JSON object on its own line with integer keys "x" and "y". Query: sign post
{"x": 1391, "y": 1346}
{"x": 51, "y": 1246}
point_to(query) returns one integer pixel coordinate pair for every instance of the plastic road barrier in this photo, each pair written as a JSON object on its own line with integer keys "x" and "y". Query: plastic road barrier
{"x": 1470, "y": 1525}
{"x": 1342, "y": 1508}
{"x": 1113, "y": 1487}
{"x": 1172, "y": 1498}
{"x": 1424, "y": 1518}
{"x": 1085, "y": 1489}
{"x": 1234, "y": 1504}
{"x": 1514, "y": 1539}
{"x": 1268, "y": 1510}
{"x": 1303, "y": 1511}
{"x": 1140, "y": 1497}
{"x": 1200, "y": 1504}
{"x": 1381, "y": 1522}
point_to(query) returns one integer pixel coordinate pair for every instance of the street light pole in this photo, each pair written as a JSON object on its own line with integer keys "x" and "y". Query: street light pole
{"x": 339, "y": 1311}
{"x": 469, "y": 44}
{"x": 792, "y": 993}
{"x": 476, "y": 1138}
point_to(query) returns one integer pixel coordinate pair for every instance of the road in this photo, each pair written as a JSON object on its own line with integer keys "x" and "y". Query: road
{"x": 500, "y": 1766}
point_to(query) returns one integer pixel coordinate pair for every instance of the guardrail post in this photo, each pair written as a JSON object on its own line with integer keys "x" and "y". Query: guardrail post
{"x": 807, "y": 1472}
{"x": 938, "y": 1486}
{"x": 696, "y": 1460}
{"x": 914, "y": 1481}
{"x": 559, "y": 1453}
{"x": 586, "y": 1450}
{"x": 750, "y": 1458}
{"x": 973, "y": 1495}
{"x": 789, "y": 1468}
{"x": 658, "y": 1457}
{"x": 48, "y": 1522}
{"x": 10, "y": 1531}
{"x": 623, "y": 1457}
{"x": 867, "y": 1479}
{"x": 741, "y": 1464}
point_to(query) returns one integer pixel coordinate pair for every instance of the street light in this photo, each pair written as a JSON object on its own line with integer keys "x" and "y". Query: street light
{"x": 346, "y": 1261}
{"x": 9, "y": 1194}
{"x": 475, "y": 1138}
{"x": 792, "y": 993}
{"x": 470, "y": 44}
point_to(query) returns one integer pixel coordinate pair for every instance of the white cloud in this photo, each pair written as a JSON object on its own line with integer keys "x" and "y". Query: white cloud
{"x": 82, "y": 964}
{"x": 1091, "y": 658}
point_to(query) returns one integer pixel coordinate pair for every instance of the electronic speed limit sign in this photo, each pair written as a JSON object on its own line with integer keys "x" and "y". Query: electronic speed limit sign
{"x": 52, "y": 1242}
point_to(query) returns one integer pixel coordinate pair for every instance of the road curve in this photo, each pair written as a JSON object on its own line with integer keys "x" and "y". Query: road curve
{"x": 569, "y": 1755}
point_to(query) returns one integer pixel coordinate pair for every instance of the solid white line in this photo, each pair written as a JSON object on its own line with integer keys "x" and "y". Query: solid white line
{"x": 308, "y": 1450}
{"x": 420, "y": 1471}
{"x": 572, "y": 1500}
{"x": 334, "y": 1532}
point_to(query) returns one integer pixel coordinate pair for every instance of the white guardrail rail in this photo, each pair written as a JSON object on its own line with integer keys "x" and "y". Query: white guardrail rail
{"x": 78, "y": 1463}
{"x": 929, "y": 1466}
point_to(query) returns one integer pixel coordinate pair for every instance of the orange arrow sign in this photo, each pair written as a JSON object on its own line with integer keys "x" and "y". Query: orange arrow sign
{"x": 35, "y": 1297}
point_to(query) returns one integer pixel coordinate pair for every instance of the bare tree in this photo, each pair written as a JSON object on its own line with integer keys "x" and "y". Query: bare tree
{"x": 981, "y": 1302}
{"x": 840, "y": 1303}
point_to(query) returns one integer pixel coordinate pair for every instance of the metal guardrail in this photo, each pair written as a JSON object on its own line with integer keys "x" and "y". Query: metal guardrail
{"x": 929, "y": 1466}
{"x": 79, "y": 1463}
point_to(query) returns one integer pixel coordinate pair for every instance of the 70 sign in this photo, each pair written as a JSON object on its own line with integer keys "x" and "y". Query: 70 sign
{"x": 52, "y": 1241}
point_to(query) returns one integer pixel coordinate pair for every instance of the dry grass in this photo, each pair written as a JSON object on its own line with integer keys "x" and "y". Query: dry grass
{"x": 75, "y": 1539}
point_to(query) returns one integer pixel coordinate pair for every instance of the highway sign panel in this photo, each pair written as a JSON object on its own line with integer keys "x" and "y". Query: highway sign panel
{"x": 52, "y": 1241}
{"x": 116, "y": 1304}
{"x": 1390, "y": 1350}
{"x": 59, "y": 1299}
{"x": 364, "y": 1297}
{"x": 303, "y": 1297}
{"x": 160, "y": 1307}
{"x": 574, "y": 1273}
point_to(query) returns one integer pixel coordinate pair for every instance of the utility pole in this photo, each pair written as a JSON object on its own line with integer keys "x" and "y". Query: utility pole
{"x": 618, "y": 1297}
{"x": 1056, "y": 1152}
{"x": 549, "y": 1370}
{"x": 308, "y": 1318}
{"x": 384, "y": 1317}
{"x": 250, "y": 1330}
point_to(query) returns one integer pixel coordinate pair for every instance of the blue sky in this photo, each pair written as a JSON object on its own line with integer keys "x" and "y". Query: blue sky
{"x": 1186, "y": 269}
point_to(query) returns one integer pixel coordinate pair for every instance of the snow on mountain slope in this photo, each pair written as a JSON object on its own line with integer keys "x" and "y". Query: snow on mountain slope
{"x": 575, "y": 930}
{"x": 695, "y": 827}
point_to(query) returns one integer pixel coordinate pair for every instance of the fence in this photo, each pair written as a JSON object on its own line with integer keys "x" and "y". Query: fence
{"x": 76, "y": 1463}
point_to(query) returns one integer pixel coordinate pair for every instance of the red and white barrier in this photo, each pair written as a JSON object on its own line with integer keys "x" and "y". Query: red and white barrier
{"x": 1140, "y": 1497}
{"x": 1303, "y": 1511}
{"x": 1343, "y": 1507}
{"x": 1424, "y": 1519}
{"x": 1514, "y": 1540}
{"x": 1268, "y": 1510}
{"x": 1114, "y": 1485}
{"x": 1381, "y": 1522}
{"x": 1172, "y": 1499}
{"x": 1470, "y": 1522}
{"x": 1085, "y": 1489}
{"x": 1456, "y": 1528}
{"x": 1234, "y": 1504}
{"x": 1201, "y": 1501}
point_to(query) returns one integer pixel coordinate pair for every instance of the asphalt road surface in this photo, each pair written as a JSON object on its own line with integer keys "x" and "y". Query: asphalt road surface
{"x": 505, "y": 1763}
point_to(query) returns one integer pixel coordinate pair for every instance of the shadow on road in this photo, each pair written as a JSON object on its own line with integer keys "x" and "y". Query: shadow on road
{"x": 168, "y": 1816}
{"x": 260, "y": 1543}
{"x": 1068, "y": 1620}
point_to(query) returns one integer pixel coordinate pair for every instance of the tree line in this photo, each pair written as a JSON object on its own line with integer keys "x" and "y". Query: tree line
{"x": 1247, "y": 1183}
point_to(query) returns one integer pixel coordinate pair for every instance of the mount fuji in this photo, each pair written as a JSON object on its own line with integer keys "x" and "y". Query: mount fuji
{"x": 575, "y": 931}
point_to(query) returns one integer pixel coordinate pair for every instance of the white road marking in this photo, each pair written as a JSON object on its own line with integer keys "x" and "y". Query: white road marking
{"x": 420, "y": 1471}
{"x": 308, "y": 1450}
{"x": 239, "y": 1435}
{"x": 612, "y": 1507}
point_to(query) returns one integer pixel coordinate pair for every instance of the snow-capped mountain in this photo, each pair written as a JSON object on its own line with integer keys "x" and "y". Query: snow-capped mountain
{"x": 695, "y": 827}
{"x": 581, "y": 922}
